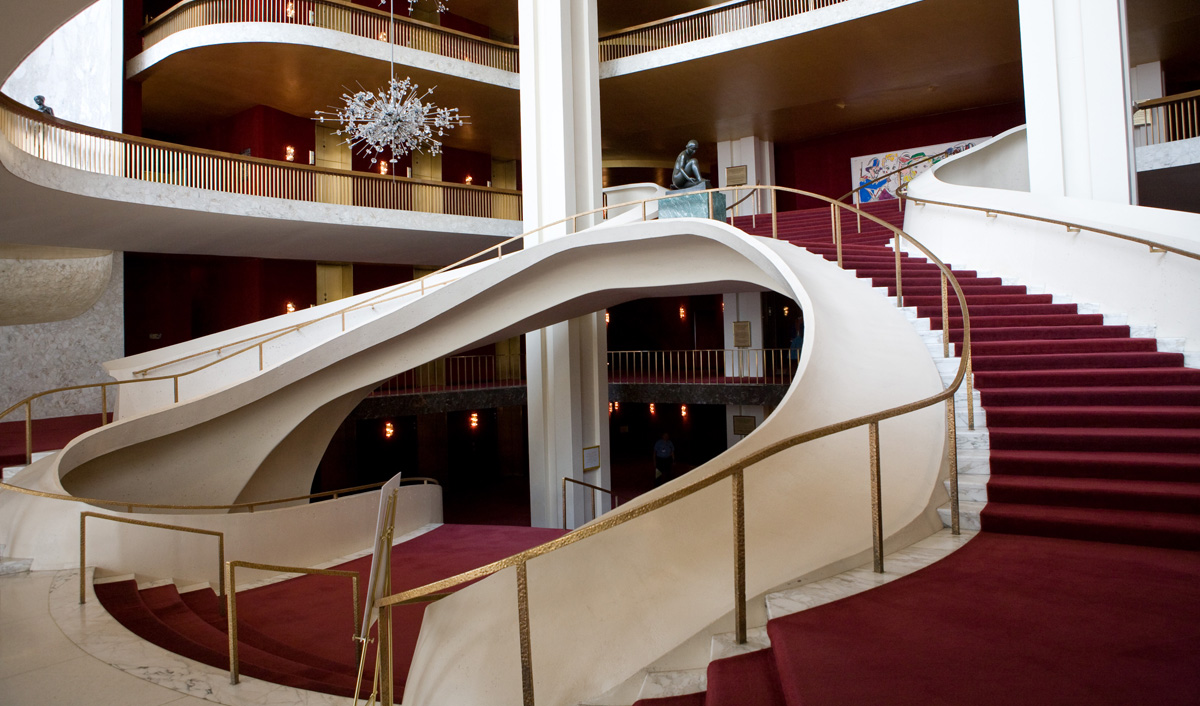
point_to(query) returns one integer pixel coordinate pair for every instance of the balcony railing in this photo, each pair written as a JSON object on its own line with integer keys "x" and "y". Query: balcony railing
{"x": 113, "y": 154}
{"x": 702, "y": 24}
{"x": 1167, "y": 119}
{"x": 340, "y": 17}
{"x": 463, "y": 372}
{"x": 728, "y": 366}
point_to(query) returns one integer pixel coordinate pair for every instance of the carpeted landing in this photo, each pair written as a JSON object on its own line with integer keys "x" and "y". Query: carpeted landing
{"x": 1007, "y": 619}
{"x": 298, "y": 632}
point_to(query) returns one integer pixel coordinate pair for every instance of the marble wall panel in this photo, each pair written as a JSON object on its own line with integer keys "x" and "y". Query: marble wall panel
{"x": 39, "y": 357}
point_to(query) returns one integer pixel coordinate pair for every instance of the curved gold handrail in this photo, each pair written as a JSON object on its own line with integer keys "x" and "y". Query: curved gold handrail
{"x": 129, "y": 506}
{"x": 1154, "y": 246}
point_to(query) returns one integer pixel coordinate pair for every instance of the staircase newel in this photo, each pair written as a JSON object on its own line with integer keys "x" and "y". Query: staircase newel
{"x": 952, "y": 440}
{"x": 876, "y": 502}
{"x": 739, "y": 554}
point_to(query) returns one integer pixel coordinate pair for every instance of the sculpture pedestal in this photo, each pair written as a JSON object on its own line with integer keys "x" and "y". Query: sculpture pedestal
{"x": 692, "y": 206}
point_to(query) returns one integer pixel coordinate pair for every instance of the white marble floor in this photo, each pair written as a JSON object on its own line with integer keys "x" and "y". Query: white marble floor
{"x": 39, "y": 664}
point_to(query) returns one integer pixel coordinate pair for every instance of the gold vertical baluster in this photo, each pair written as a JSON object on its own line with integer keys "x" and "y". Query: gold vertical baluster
{"x": 739, "y": 554}
{"x": 952, "y": 445}
{"x": 523, "y": 629}
{"x": 876, "y": 500}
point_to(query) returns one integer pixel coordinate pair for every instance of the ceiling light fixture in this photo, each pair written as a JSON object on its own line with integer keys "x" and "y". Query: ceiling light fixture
{"x": 396, "y": 118}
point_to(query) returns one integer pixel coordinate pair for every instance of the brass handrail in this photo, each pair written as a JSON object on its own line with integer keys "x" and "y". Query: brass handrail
{"x": 129, "y": 506}
{"x": 700, "y": 24}
{"x": 141, "y": 523}
{"x": 343, "y": 17}
{"x": 616, "y": 498}
{"x": 230, "y": 590}
{"x": 115, "y": 154}
{"x": 1154, "y": 246}
{"x": 735, "y": 472}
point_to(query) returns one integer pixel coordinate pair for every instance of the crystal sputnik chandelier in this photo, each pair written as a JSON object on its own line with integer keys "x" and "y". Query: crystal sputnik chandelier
{"x": 396, "y": 117}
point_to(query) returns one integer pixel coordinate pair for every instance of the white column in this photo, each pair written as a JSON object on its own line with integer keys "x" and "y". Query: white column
{"x": 758, "y": 156}
{"x": 1077, "y": 102}
{"x": 742, "y": 306}
{"x": 560, "y": 142}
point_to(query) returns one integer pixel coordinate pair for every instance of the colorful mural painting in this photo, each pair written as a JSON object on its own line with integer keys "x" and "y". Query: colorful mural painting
{"x": 868, "y": 172}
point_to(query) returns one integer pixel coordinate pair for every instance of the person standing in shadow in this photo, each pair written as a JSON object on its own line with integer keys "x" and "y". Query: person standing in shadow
{"x": 664, "y": 459}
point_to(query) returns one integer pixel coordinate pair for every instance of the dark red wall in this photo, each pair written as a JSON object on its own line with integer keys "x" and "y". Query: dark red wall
{"x": 822, "y": 165}
{"x": 369, "y": 276}
{"x": 654, "y": 324}
{"x": 457, "y": 164}
{"x": 462, "y": 24}
{"x": 266, "y": 132}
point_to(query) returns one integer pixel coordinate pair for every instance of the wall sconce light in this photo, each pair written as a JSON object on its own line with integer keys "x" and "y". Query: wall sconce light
{"x": 468, "y": 179}
{"x": 682, "y": 314}
{"x": 474, "y": 420}
{"x": 383, "y": 169}
{"x": 291, "y": 9}
{"x": 290, "y": 307}
{"x": 388, "y": 430}
{"x": 607, "y": 318}
{"x": 617, "y": 406}
{"x": 652, "y": 409}
{"x": 610, "y": 409}
{"x": 683, "y": 411}
{"x": 383, "y": 36}
{"x": 289, "y": 153}
{"x": 786, "y": 310}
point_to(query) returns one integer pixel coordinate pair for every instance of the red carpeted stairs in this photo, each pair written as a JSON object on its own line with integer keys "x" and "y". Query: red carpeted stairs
{"x": 297, "y": 632}
{"x": 1094, "y": 435}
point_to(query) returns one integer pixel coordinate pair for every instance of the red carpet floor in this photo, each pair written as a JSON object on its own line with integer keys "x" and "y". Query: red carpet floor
{"x": 298, "y": 632}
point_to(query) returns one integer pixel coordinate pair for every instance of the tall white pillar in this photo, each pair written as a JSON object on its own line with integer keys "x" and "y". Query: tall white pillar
{"x": 1077, "y": 102}
{"x": 758, "y": 156}
{"x": 560, "y": 142}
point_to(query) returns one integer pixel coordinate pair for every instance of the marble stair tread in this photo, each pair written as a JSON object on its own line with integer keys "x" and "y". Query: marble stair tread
{"x": 862, "y": 578}
{"x": 974, "y": 463}
{"x": 674, "y": 683}
{"x": 968, "y": 514}
{"x": 726, "y": 644}
{"x": 10, "y": 566}
{"x": 971, "y": 488}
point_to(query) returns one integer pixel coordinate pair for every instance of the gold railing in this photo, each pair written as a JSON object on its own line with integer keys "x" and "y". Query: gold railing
{"x": 461, "y": 372}
{"x": 338, "y": 16}
{"x": 1070, "y": 227}
{"x": 718, "y": 366}
{"x": 616, "y": 500}
{"x": 734, "y": 473}
{"x": 140, "y": 523}
{"x": 230, "y": 590}
{"x": 1168, "y": 119}
{"x": 114, "y": 154}
{"x": 702, "y": 24}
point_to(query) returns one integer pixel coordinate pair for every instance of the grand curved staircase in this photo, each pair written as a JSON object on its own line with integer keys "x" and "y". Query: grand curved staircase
{"x": 1087, "y": 562}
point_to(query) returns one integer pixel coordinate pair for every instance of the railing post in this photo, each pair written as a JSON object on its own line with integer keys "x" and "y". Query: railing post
{"x": 899, "y": 283}
{"x": 523, "y": 629}
{"x": 231, "y": 622}
{"x": 774, "y": 216}
{"x": 711, "y": 213}
{"x": 103, "y": 405}
{"x": 970, "y": 392}
{"x": 876, "y": 501}
{"x": 952, "y": 442}
{"x": 82, "y": 556}
{"x": 564, "y": 502}
{"x": 385, "y": 662}
{"x": 175, "y": 380}
{"x": 739, "y": 554}
{"x": 28, "y": 432}
{"x": 945, "y": 317}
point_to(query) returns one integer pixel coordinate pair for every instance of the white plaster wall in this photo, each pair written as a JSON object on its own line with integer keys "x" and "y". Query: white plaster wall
{"x": 1122, "y": 277}
{"x": 40, "y": 357}
{"x": 78, "y": 69}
